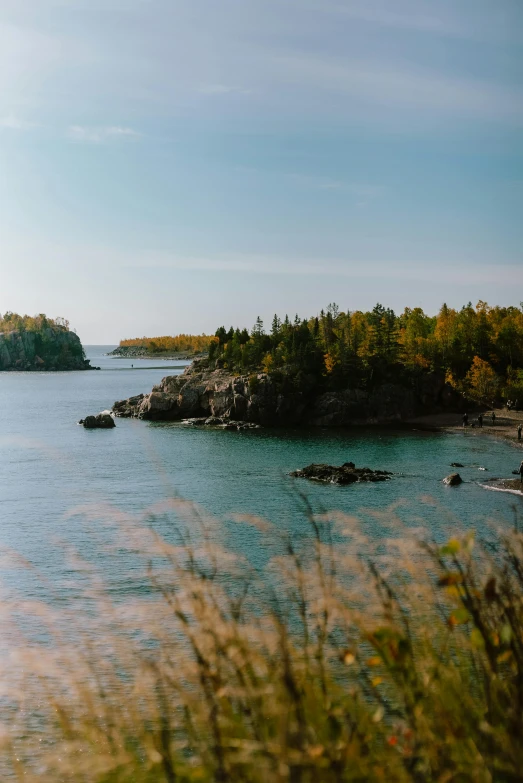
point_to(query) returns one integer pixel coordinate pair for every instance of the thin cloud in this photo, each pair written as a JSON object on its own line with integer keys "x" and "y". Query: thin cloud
{"x": 222, "y": 89}
{"x": 12, "y": 122}
{"x": 351, "y": 267}
{"x": 450, "y": 19}
{"x": 99, "y": 135}
{"x": 388, "y": 86}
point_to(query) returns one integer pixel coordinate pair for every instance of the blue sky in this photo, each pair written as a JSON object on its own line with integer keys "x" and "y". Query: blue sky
{"x": 171, "y": 165}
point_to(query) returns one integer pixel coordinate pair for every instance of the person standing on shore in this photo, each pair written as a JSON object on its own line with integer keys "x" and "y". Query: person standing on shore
{"x": 480, "y": 420}
{"x": 465, "y": 419}
{"x": 493, "y": 418}
{"x": 520, "y": 427}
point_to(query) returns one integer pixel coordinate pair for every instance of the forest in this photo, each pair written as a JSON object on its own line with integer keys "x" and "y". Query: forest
{"x": 13, "y": 322}
{"x": 181, "y": 343}
{"x": 478, "y": 349}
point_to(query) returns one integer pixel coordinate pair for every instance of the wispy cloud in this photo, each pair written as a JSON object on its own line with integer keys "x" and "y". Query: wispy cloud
{"x": 222, "y": 89}
{"x": 452, "y": 19}
{"x": 362, "y": 191}
{"x": 343, "y": 267}
{"x": 99, "y": 135}
{"x": 407, "y": 17}
{"x": 386, "y": 85}
{"x": 12, "y": 122}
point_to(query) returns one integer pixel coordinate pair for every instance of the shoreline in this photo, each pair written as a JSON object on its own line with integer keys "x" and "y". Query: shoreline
{"x": 504, "y": 429}
{"x": 512, "y": 486}
{"x": 119, "y": 353}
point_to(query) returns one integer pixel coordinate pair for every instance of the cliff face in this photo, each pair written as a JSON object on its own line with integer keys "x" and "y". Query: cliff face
{"x": 200, "y": 391}
{"x": 47, "y": 349}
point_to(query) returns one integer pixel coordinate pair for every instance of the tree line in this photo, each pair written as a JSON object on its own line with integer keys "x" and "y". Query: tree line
{"x": 479, "y": 350}
{"x": 180, "y": 343}
{"x": 14, "y": 322}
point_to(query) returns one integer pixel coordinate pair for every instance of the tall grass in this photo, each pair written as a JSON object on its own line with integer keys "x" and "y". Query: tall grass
{"x": 342, "y": 660}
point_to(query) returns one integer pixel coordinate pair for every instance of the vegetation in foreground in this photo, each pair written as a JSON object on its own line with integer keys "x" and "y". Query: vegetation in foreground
{"x": 339, "y": 661}
{"x": 478, "y": 350}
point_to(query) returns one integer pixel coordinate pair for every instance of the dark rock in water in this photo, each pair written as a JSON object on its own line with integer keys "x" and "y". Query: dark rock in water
{"x": 102, "y": 421}
{"x": 344, "y": 474}
{"x": 456, "y": 465}
{"x": 213, "y": 421}
{"x": 453, "y": 480}
{"x": 198, "y": 422}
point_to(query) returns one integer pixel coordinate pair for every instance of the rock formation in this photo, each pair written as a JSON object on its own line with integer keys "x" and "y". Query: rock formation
{"x": 453, "y": 480}
{"x": 203, "y": 392}
{"x": 347, "y": 473}
{"x": 102, "y": 421}
{"x": 47, "y": 349}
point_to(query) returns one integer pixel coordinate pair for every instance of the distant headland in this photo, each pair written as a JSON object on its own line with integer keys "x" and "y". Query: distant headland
{"x": 181, "y": 346}
{"x": 38, "y": 343}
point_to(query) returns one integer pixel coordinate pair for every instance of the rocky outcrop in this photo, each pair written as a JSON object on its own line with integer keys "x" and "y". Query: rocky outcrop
{"x": 47, "y": 349}
{"x": 226, "y": 424}
{"x": 454, "y": 480}
{"x": 102, "y": 421}
{"x": 347, "y": 473}
{"x": 202, "y": 392}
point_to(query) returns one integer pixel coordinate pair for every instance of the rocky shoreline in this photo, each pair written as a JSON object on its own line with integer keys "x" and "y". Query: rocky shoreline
{"x": 202, "y": 392}
{"x": 138, "y": 352}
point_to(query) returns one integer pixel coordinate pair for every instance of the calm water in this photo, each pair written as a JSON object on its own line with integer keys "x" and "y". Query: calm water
{"x": 50, "y": 466}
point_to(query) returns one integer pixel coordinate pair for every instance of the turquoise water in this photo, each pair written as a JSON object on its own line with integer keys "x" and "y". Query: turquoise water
{"x": 51, "y": 467}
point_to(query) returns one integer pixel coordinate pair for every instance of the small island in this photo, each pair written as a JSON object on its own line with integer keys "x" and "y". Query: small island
{"x": 38, "y": 343}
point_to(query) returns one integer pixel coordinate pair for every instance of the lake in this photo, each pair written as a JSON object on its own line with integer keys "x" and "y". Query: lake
{"x": 52, "y": 469}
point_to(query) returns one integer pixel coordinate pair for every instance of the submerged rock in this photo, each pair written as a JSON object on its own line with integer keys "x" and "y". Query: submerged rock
{"x": 453, "y": 480}
{"x": 456, "y": 465}
{"x": 347, "y": 473}
{"x": 102, "y": 421}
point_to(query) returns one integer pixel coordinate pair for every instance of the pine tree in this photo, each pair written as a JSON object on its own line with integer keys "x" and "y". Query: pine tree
{"x": 258, "y": 330}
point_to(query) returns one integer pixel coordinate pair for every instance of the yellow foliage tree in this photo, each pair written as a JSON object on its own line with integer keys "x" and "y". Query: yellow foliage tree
{"x": 267, "y": 362}
{"x": 330, "y": 362}
{"x": 482, "y": 380}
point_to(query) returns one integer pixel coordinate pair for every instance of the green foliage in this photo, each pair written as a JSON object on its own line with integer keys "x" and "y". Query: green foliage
{"x": 479, "y": 349}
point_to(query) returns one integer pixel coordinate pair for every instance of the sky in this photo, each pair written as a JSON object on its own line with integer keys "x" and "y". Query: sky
{"x": 168, "y": 166}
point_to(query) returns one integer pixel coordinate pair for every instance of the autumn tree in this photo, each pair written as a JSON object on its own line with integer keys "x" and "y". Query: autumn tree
{"x": 482, "y": 380}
